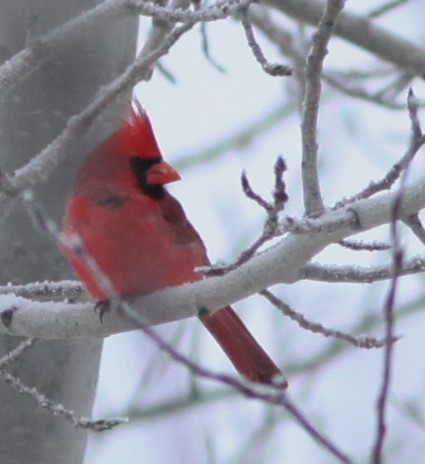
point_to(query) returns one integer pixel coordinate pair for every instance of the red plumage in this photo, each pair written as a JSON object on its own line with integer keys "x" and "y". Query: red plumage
{"x": 139, "y": 235}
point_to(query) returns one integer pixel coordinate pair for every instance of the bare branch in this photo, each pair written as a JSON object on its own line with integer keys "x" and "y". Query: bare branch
{"x": 206, "y": 49}
{"x": 381, "y": 428}
{"x": 313, "y": 202}
{"x": 274, "y": 69}
{"x": 341, "y": 81}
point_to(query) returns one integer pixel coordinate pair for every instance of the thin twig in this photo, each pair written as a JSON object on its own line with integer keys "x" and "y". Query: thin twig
{"x": 358, "y": 30}
{"x": 381, "y": 406}
{"x": 57, "y": 409}
{"x": 358, "y": 342}
{"x": 313, "y": 202}
{"x": 357, "y": 245}
{"x": 417, "y": 141}
{"x": 358, "y": 274}
{"x": 54, "y": 408}
{"x": 52, "y": 291}
{"x": 342, "y": 81}
{"x": 383, "y": 397}
{"x": 15, "y": 354}
{"x": 270, "y": 229}
{"x": 273, "y": 69}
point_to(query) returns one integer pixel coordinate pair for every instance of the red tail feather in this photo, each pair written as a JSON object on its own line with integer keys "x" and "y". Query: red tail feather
{"x": 246, "y": 354}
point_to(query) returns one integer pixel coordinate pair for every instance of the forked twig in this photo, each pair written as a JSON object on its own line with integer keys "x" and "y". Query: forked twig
{"x": 270, "y": 229}
{"x": 386, "y": 183}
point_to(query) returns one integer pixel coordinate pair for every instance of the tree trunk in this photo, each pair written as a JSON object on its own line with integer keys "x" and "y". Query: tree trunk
{"x": 34, "y": 113}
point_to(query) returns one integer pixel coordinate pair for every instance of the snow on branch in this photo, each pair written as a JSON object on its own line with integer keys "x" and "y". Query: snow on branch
{"x": 44, "y": 47}
{"x": 281, "y": 263}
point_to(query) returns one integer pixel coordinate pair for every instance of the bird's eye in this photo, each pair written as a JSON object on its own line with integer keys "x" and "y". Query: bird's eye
{"x": 140, "y": 167}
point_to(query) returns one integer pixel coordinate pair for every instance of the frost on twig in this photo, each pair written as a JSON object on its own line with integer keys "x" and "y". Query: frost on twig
{"x": 57, "y": 409}
{"x": 359, "y": 342}
{"x": 273, "y": 69}
{"x": 16, "y": 353}
{"x": 357, "y": 245}
{"x": 359, "y": 274}
{"x": 41, "y": 400}
{"x": 52, "y": 291}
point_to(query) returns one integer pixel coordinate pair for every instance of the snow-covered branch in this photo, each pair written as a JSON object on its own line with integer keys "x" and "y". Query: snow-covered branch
{"x": 44, "y": 47}
{"x": 281, "y": 263}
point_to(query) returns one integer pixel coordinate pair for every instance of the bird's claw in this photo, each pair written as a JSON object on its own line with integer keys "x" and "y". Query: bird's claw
{"x": 102, "y": 307}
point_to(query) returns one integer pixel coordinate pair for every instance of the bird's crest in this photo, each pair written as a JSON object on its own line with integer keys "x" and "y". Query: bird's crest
{"x": 136, "y": 136}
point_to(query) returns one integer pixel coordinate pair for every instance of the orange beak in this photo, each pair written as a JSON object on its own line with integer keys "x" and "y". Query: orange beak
{"x": 161, "y": 173}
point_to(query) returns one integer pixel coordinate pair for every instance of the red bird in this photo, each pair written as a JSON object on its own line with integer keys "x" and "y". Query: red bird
{"x": 140, "y": 238}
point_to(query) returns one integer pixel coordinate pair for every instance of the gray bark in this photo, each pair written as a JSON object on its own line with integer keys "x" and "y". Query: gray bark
{"x": 36, "y": 111}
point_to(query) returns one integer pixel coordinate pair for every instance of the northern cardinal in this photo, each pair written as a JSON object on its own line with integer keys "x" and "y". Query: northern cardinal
{"x": 140, "y": 238}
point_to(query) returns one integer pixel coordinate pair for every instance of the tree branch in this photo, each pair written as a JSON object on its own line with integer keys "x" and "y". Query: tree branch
{"x": 281, "y": 263}
{"x": 362, "y": 32}
{"x": 43, "y": 164}
{"x": 357, "y": 274}
{"x": 42, "y": 48}
{"x": 313, "y": 202}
